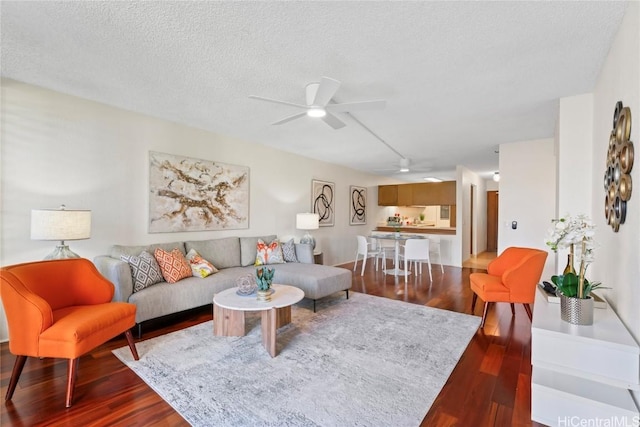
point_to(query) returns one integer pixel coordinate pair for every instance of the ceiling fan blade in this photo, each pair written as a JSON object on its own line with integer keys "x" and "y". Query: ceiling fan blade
{"x": 277, "y": 101}
{"x": 288, "y": 119}
{"x": 333, "y": 121}
{"x": 327, "y": 88}
{"x": 354, "y": 106}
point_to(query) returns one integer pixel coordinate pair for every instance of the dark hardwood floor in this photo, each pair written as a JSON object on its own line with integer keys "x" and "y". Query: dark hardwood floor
{"x": 490, "y": 386}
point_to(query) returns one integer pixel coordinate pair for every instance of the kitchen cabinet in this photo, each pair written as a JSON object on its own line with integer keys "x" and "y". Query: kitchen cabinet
{"x": 434, "y": 193}
{"x": 387, "y": 195}
{"x": 405, "y": 195}
{"x": 422, "y": 194}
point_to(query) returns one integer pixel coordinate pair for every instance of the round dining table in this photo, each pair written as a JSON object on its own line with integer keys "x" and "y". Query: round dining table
{"x": 397, "y": 238}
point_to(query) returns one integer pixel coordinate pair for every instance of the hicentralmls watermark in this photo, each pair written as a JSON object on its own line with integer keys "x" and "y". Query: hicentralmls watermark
{"x": 576, "y": 421}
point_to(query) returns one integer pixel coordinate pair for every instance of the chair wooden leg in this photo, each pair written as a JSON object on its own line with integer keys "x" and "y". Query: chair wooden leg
{"x": 71, "y": 380}
{"x": 513, "y": 310}
{"x": 484, "y": 314}
{"x": 132, "y": 344}
{"x": 527, "y": 308}
{"x": 15, "y": 375}
{"x": 473, "y": 302}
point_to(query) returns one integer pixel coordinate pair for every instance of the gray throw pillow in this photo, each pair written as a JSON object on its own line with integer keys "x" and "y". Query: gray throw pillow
{"x": 145, "y": 270}
{"x": 289, "y": 251}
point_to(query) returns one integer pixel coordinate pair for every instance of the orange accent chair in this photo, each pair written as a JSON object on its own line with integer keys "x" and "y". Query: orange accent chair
{"x": 60, "y": 309}
{"x": 512, "y": 277}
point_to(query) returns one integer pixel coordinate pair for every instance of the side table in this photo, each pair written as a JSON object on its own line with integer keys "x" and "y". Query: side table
{"x": 318, "y": 258}
{"x": 582, "y": 373}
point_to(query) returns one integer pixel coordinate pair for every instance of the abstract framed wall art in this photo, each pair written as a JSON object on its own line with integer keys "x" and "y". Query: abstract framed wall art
{"x": 358, "y": 205}
{"x": 187, "y": 194}
{"x": 323, "y": 201}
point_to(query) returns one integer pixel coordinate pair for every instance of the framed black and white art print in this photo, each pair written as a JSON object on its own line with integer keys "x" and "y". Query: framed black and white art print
{"x": 357, "y": 205}
{"x": 323, "y": 201}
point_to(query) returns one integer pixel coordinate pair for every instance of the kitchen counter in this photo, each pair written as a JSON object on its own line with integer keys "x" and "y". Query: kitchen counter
{"x": 425, "y": 229}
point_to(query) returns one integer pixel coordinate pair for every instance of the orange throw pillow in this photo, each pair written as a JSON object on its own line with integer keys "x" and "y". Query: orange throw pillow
{"x": 174, "y": 265}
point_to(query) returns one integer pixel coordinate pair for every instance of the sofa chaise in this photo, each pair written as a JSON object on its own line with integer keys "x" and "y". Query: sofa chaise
{"x": 233, "y": 257}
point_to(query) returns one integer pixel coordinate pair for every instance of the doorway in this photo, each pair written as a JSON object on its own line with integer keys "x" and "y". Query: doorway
{"x": 492, "y": 221}
{"x": 472, "y": 215}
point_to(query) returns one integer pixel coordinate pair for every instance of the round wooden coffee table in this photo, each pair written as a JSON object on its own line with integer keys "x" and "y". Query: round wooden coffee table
{"x": 229, "y": 309}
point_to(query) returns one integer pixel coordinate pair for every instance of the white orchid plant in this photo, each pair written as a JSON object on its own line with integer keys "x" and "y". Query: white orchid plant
{"x": 574, "y": 233}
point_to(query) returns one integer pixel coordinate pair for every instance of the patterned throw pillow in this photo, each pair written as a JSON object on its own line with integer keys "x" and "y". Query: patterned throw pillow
{"x": 200, "y": 267}
{"x": 173, "y": 265}
{"x": 289, "y": 251}
{"x": 145, "y": 270}
{"x": 269, "y": 253}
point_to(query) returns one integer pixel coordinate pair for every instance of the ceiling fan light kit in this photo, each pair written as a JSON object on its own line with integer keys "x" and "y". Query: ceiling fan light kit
{"x": 318, "y": 97}
{"x": 316, "y": 112}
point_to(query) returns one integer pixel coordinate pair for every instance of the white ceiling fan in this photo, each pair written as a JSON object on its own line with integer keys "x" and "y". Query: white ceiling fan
{"x": 406, "y": 166}
{"x": 318, "y": 98}
{"x": 402, "y": 166}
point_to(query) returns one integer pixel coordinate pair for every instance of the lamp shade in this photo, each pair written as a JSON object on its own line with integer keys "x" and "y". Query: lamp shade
{"x": 60, "y": 224}
{"x": 307, "y": 221}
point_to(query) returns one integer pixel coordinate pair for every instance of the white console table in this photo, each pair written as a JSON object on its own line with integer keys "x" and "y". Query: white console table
{"x": 582, "y": 372}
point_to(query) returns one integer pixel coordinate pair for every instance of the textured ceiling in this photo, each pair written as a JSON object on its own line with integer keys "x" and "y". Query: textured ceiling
{"x": 459, "y": 78}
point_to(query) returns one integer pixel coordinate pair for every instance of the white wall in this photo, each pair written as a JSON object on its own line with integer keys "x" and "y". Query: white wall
{"x": 59, "y": 149}
{"x": 574, "y": 154}
{"x": 617, "y": 260}
{"x": 527, "y": 195}
{"x": 491, "y": 185}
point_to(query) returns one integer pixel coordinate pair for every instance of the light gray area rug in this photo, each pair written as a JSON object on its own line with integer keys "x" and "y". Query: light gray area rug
{"x": 366, "y": 361}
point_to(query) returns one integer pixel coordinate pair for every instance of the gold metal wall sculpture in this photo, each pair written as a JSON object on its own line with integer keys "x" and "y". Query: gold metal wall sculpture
{"x": 617, "y": 176}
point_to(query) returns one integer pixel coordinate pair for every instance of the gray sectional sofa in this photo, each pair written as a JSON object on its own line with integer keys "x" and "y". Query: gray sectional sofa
{"x": 234, "y": 257}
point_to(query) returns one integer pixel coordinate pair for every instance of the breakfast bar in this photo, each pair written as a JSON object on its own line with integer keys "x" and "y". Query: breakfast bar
{"x": 419, "y": 229}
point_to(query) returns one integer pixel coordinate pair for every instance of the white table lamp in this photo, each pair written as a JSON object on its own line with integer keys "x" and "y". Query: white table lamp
{"x": 308, "y": 221}
{"x": 60, "y": 224}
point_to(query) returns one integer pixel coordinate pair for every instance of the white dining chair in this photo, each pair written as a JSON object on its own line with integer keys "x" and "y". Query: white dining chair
{"x": 387, "y": 250}
{"x": 434, "y": 248}
{"x": 378, "y": 247}
{"x": 417, "y": 251}
{"x": 366, "y": 249}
